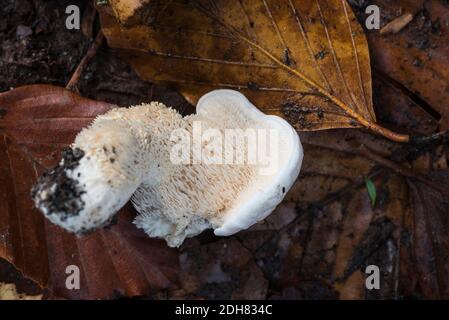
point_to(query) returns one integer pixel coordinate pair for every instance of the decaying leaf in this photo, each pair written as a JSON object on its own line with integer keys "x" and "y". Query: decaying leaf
{"x": 377, "y": 234}
{"x": 418, "y": 56}
{"x": 36, "y": 123}
{"x": 222, "y": 270}
{"x": 307, "y": 61}
{"x": 426, "y": 234}
{"x": 398, "y": 110}
{"x": 323, "y": 253}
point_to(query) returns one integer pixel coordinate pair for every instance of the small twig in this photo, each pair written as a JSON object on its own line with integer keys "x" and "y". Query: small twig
{"x": 90, "y": 54}
{"x": 397, "y": 24}
{"x": 399, "y": 168}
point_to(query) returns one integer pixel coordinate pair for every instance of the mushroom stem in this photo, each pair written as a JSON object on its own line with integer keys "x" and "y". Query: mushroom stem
{"x": 96, "y": 176}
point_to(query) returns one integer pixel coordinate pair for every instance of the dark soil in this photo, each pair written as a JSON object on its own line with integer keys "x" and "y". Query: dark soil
{"x": 36, "y": 47}
{"x": 65, "y": 198}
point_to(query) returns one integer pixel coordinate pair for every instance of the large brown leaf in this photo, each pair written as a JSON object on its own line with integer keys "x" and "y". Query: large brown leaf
{"x": 36, "y": 123}
{"x": 305, "y": 60}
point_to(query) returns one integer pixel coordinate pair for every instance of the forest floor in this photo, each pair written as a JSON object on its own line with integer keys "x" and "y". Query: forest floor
{"x": 319, "y": 241}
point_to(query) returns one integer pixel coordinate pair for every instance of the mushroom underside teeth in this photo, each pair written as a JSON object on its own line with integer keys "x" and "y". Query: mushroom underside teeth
{"x": 156, "y": 225}
{"x": 227, "y": 197}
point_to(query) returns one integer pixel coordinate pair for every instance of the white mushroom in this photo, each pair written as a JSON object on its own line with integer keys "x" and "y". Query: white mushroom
{"x": 226, "y": 167}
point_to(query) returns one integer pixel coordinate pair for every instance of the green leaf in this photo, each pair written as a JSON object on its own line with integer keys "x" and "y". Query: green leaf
{"x": 371, "y": 190}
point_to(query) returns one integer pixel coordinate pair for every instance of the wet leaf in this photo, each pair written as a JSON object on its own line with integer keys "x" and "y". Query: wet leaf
{"x": 428, "y": 236}
{"x": 397, "y": 109}
{"x": 417, "y": 57}
{"x": 375, "y": 236}
{"x": 37, "y": 122}
{"x": 221, "y": 270}
{"x": 307, "y": 61}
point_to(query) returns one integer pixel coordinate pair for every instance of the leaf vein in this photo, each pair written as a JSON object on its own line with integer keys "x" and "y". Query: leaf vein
{"x": 308, "y": 46}
{"x": 357, "y": 59}
{"x": 353, "y": 105}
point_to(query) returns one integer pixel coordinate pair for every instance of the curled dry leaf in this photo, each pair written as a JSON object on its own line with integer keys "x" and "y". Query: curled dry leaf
{"x": 307, "y": 61}
{"x": 37, "y": 122}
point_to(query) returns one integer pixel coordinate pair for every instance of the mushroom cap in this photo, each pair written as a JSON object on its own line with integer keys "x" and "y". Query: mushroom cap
{"x": 265, "y": 191}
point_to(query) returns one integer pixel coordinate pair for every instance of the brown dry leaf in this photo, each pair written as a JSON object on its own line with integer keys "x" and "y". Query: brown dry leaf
{"x": 307, "y": 61}
{"x": 36, "y": 123}
{"x": 14, "y": 286}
